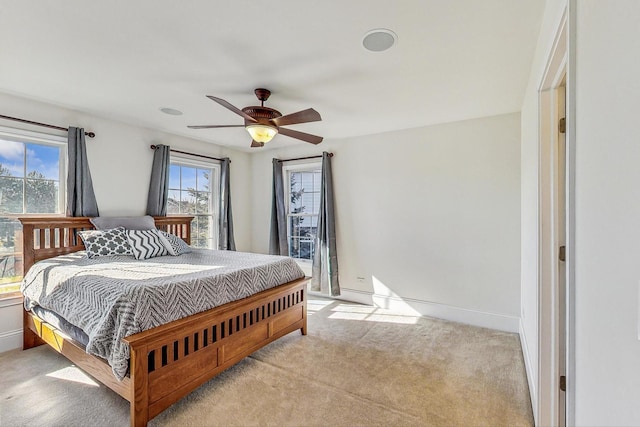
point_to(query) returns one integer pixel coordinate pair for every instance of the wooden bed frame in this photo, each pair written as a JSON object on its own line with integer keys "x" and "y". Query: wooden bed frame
{"x": 169, "y": 361}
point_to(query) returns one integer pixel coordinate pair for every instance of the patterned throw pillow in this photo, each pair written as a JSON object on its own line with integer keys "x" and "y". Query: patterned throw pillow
{"x": 105, "y": 242}
{"x": 146, "y": 244}
{"x": 175, "y": 245}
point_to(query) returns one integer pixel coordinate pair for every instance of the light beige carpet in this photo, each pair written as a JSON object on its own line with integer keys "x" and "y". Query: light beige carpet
{"x": 358, "y": 366}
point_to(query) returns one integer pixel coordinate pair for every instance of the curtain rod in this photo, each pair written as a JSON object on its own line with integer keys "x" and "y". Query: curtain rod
{"x": 304, "y": 158}
{"x": 89, "y": 134}
{"x": 153, "y": 147}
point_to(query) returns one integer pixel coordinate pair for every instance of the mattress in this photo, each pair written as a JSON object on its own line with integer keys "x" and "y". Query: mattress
{"x": 110, "y": 298}
{"x": 61, "y": 324}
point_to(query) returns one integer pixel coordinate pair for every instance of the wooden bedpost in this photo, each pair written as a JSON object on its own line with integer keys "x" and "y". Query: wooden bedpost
{"x": 29, "y": 338}
{"x": 28, "y": 251}
{"x": 303, "y": 292}
{"x": 138, "y": 373}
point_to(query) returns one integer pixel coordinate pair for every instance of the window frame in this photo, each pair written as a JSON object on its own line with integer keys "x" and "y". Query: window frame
{"x": 306, "y": 166}
{"x": 51, "y": 141}
{"x": 45, "y": 139}
{"x": 214, "y": 201}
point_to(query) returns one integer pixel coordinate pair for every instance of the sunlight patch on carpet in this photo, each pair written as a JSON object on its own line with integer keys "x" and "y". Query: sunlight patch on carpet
{"x": 370, "y": 314}
{"x": 71, "y": 373}
{"x": 315, "y": 305}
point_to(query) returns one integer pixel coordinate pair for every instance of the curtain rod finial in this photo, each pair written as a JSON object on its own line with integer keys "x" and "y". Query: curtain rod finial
{"x": 90, "y": 134}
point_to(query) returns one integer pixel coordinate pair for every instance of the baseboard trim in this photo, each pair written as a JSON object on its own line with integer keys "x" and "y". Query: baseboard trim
{"x": 533, "y": 391}
{"x": 354, "y": 295}
{"x": 10, "y": 340}
{"x": 12, "y": 300}
{"x": 482, "y": 319}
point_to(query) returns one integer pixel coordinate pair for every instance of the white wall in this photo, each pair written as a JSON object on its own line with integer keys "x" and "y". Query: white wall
{"x": 607, "y": 248}
{"x": 120, "y": 161}
{"x": 10, "y": 324}
{"x": 529, "y": 165}
{"x": 428, "y": 216}
{"x": 607, "y": 212}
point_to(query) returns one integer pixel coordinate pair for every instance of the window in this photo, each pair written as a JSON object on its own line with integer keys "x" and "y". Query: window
{"x": 32, "y": 181}
{"x": 193, "y": 190}
{"x": 302, "y": 193}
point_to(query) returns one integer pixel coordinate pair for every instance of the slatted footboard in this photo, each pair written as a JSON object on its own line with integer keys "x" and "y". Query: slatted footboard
{"x": 171, "y": 360}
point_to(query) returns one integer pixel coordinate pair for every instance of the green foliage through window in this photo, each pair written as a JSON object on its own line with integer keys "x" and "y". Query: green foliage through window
{"x": 191, "y": 193}
{"x": 30, "y": 183}
{"x": 302, "y": 216}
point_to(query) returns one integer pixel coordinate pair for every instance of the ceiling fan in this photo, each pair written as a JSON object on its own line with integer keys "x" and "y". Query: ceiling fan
{"x": 263, "y": 123}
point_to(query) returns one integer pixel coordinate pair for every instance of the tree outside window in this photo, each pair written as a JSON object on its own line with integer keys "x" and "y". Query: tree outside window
{"x": 30, "y": 183}
{"x": 302, "y": 211}
{"x": 192, "y": 191}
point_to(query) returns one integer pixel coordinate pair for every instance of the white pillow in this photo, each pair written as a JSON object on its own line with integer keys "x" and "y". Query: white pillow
{"x": 175, "y": 245}
{"x": 146, "y": 244}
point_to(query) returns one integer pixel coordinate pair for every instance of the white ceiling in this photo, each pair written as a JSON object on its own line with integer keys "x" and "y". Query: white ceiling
{"x": 124, "y": 60}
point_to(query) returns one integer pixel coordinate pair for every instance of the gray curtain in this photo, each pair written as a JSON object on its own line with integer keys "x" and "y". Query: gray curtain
{"x": 159, "y": 185}
{"x": 325, "y": 258}
{"x": 278, "y": 237}
{"x": 81, "y": 200}
{"x": 225, "y": 229}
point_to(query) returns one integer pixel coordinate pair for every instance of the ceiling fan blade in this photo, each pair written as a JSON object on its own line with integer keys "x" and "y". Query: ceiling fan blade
{"x": 232, "y": 108}
{"x": 255, "y": 143}
{"x": 214, "y": 126}
{"x": 314, "y": 139}
{"x": 304, "y": 116}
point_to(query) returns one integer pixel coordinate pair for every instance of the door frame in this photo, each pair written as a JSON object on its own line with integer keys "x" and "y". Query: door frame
{"x": 558, "y": 71}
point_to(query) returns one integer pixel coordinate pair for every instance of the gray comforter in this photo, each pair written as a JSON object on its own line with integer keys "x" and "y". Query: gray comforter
{"x": 110, "y": 298}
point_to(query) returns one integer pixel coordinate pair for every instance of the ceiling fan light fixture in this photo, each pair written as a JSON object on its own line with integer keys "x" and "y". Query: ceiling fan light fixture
{"x": 261, "y": 133}
{"x": 263, "y": 123}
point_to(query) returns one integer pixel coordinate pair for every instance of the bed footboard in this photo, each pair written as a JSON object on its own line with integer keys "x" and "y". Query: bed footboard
{"x": 170, "y": 361}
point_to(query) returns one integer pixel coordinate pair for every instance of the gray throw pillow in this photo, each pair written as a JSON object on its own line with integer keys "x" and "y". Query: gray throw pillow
{"x": 105, "y": 242}
{"x": 129, "y": 222}
{"x": 175, "y": 245}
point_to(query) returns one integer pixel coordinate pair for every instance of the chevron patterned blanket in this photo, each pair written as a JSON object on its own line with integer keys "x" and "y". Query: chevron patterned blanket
{"x": 110, "y": 298}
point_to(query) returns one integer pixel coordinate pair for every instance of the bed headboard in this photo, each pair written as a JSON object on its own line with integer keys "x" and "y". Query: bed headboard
{"x": 46, "y": 237}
